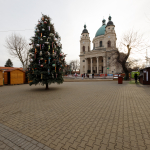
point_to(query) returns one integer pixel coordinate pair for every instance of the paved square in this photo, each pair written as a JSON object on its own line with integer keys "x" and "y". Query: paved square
{"x": 75, "y": 116}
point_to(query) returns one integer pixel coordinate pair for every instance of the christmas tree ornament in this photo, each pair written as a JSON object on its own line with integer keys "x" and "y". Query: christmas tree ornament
{"x": 37, "y": 30}
{"x": 40, "y": 53}
{"x": 44, "y": 37}
{"x": 43, "y": 29}
{"x": 35, "y": 50}
{"x": 46, "y": 42}
{"x": 49, "y": 59}
{"x": 31, "y": 60}
{"x": 43, "y": 18}
{"x": 37, "y": 45}
{"x": 48, "y": 53}
{"x": 41, "y": 58}
{"x": 45, "y": 22}
{"x": 41, "y": 65}
{"x": 49, "y": 28}
{"x": 53, "y": 65}
{"x": 45, "y": 61}
{"x": 41, "y": 34}
{"x": 41, "y": 76}
{"x": 34, "y": 55}
{"x": 48, "y": 47}
{"x": 41, "y": 39}
{"x": 51, "y": 34}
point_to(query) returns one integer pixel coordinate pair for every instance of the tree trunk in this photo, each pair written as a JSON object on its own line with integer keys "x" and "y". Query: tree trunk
{"x": 46, "y": 86}
{"x": 126, "y": 71}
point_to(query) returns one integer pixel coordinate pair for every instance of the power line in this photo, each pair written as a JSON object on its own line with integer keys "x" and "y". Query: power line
{"x": 16, "y": 30}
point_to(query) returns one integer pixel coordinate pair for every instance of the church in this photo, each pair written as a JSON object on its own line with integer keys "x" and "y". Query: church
{"x": 99, "y": 59}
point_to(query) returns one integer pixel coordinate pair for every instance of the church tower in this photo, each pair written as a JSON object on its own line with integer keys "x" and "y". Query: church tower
{"x": 110, "y": 34}
{"x": 84, "y": 41}
{"x": 84, "y": 49}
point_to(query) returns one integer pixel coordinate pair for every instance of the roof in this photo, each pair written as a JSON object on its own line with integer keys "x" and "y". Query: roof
{"x": 145, "y": 68}
{"x": 110, "y": 23}
{"x": 9, "y": 68}
{"x": 100, "y": 31}
{"x": 84, "y": 30}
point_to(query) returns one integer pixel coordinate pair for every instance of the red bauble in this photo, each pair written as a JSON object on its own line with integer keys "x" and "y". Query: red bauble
{"x": 41, "y": 65}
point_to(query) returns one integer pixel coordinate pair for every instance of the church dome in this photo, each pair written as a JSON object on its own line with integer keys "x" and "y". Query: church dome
{"x": 101, "y": 30}
{"x": 110, "y": 23}
{"x": 85, "y": 30}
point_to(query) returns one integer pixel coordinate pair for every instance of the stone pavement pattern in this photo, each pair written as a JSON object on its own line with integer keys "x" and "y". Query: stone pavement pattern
{"x": 76, "y": 116}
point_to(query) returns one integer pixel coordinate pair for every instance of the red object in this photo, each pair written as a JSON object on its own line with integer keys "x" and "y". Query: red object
{"x": 120, "y": 80}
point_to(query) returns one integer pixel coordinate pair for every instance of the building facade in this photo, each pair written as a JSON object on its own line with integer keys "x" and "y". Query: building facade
{"x": 99, "y": 59}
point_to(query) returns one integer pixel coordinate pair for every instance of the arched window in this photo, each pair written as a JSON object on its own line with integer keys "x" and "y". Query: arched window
{"x": 109, "y": 43}
{"x": 83, "y": 48}
{"x": 100, "y": 43}
{"x": 88, "y": 48}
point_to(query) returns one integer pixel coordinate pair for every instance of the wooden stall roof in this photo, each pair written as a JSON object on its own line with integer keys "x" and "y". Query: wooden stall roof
{"x": 145, "y": 68}
{"x": 10, "y": 68}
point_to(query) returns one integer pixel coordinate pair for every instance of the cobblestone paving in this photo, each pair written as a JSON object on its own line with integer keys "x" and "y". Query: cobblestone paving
{"x": 76, "y": 116}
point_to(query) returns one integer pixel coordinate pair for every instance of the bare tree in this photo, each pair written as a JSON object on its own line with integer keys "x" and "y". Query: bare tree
{"x": 18, "y": 48}
{"x": 132, "y": 43}
{"x": 75, "y": 64}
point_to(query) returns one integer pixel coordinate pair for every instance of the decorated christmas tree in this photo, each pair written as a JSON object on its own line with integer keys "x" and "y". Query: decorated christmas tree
{"x": 46, "y": 58}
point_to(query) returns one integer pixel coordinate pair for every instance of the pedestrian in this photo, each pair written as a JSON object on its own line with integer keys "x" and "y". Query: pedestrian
{"x": 135, "y": 77}
{"x": 82, "y": 76}
{"x": 75, "y": 75}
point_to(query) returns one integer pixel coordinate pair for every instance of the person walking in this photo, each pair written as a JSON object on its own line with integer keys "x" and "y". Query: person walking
{"x": 135, "y": 77}
{"x": 82, "y": 76}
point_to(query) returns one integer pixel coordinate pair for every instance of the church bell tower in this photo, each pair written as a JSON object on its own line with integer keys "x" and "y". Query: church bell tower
{"x": 84, "y": 41}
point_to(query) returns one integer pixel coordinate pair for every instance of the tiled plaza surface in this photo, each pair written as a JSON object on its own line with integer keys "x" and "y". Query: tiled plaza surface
{"x": 99, "y": 115}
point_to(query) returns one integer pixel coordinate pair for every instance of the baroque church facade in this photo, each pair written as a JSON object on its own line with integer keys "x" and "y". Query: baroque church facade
{"x": 99, "y": 59}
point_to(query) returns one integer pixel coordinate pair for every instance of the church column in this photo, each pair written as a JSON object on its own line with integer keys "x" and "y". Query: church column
{"x": 91, "y": 66}
{"x": 104, "y": 65}
{"x": 86, "y": 65}
{"x": 97, "y": 65}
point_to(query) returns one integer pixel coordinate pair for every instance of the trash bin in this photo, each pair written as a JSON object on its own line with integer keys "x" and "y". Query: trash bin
{"x": 120, "y": 80}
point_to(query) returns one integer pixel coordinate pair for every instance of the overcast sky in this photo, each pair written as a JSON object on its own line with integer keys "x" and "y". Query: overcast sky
{"x": 69, "y": 17}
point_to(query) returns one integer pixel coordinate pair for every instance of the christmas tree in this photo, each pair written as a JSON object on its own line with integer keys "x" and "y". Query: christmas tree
{"x": 46, "y": 58}
{"x": 9, "y": 63}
